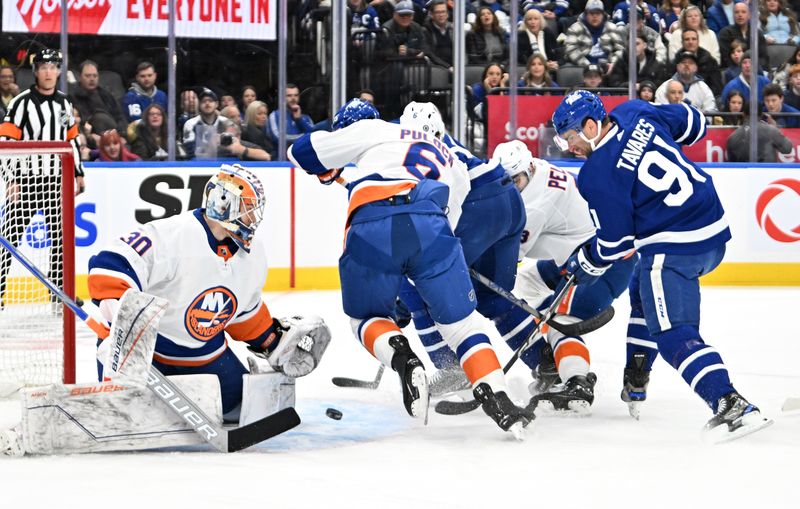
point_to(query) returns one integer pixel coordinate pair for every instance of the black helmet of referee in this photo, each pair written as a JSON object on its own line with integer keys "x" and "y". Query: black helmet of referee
{"x": 47, "y": 56}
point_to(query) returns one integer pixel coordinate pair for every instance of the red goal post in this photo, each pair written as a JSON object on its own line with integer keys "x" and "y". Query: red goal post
{"x": 37, "y": 207}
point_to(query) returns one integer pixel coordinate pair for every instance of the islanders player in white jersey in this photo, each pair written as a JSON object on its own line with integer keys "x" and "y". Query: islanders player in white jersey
{"x": 489, "y": 229}
{"x": 396, "y": 229}
{"x": 211, "y": 267}
{"x": 645, "y": 196}
{"x": 557, "y": 224}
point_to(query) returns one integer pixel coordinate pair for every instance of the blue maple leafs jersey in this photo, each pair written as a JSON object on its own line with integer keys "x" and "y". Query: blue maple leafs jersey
{"x": 643, "y": 193}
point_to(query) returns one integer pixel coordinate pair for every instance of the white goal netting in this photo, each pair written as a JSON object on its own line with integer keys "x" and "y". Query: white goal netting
{"x": 33, "y": 326}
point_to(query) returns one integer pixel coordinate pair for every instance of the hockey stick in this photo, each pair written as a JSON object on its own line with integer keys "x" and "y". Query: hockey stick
{"x": 462, "y": 407}
{"x": 224, "y": 440}
{"x": 342, "y": 381}
{"x": 568, "y": 329}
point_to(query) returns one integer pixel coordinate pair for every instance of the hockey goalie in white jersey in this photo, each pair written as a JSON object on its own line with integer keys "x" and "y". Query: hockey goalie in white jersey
{"x": 210, "y": 267}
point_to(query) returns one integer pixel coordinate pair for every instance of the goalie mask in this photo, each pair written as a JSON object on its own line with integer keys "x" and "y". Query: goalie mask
{"x": 423, "y": 117}
{"x": 234, "y": 198}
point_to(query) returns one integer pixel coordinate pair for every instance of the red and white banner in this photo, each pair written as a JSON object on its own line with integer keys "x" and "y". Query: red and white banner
{"x": 209, "y": 19}
{"x": 535, "y": 112}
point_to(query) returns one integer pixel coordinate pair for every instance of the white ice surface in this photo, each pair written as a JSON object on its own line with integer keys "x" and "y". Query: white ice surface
{"x": 376, "y": 456}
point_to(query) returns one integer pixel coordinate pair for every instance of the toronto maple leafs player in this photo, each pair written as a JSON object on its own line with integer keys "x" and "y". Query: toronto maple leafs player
{"x": 396, "y": 228}
{"x": 645, "y": 196}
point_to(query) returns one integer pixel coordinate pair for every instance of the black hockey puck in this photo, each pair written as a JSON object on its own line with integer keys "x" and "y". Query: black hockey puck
{"x": 333, "y": 414}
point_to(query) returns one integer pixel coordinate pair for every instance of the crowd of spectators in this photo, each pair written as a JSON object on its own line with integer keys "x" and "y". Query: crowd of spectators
{"x": 686, "y": 50}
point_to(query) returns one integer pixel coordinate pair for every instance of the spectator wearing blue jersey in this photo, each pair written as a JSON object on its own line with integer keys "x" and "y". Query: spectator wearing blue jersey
{"x": 773, "y": 103}
{"x": 720, "y": 14}
{"x": 297, "y": 122}
{"x": 363, "y": 15}
{"x": 645, "y": 196}
{"x": 651, "y": 16}
{"x": 550, "y": 9}
{"x": 142, "y": 93}
{"x": 670, "y": 12}
{"x": 742, "y": 82}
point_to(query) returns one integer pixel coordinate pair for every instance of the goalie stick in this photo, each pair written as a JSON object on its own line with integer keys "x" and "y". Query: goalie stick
{"x": 222, "y": 439}
{"x": 568, "y": 329}
{"x": 342, "y": 381}
{"x": 462, "y": 407}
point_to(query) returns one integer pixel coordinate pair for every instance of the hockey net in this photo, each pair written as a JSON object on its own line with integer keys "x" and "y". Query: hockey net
{"x": 37, "y": 333}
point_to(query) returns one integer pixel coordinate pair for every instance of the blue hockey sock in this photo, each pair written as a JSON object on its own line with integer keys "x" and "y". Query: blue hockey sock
{"x": 515, "y": 326}
{"x": 698, "y": 363}
{"x": 640, "y": 340}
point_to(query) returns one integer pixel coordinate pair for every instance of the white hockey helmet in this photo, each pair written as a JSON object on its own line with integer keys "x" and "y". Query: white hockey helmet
{"x": 517, "y": 160}
{"x": 423, "y": 117}
{"x": 234, "y": 198}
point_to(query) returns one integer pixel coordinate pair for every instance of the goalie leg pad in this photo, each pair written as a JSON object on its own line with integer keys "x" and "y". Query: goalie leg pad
{"x": 65, "y": 419}
{"x": 128, "y": 349}
{"x": 264, "y": 394}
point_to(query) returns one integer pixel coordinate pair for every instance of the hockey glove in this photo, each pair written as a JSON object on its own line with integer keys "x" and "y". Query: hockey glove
{"x": 330, "y": 177}
{"x": 583, "y": 265}
{"x": 300, "y": 346}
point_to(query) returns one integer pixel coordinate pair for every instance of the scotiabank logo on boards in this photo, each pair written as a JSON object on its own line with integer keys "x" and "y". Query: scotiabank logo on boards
{"x": 85, "y": 16}
{"x": 766, "y": 209}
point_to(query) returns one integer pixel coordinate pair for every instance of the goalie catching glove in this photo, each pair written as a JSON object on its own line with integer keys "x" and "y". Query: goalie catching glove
{"x": 301, "y": 343}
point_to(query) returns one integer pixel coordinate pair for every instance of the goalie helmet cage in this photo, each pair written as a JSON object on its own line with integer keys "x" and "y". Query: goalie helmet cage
{"x": 37, "y": 333}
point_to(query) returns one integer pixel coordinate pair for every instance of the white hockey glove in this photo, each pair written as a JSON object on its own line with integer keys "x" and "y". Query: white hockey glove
{"x": 301, "y": 345}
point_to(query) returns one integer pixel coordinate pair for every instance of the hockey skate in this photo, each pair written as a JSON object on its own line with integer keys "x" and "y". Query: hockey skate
{"x": 11, "y": 442}
{"x": 634, "y": 385}
{"x": 412, "y": 378}
{"x": 448, "y": 380}
{"x": 735, "y": 418}
{"x": 575, "y": 397}
{"x": 545, "y": 375}
{"x": 503, "y": 411}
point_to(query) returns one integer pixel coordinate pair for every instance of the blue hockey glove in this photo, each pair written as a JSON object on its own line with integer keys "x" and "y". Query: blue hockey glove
{"x": 583, "y": 265}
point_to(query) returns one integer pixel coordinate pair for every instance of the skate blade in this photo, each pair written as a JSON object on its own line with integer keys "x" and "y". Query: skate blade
{"x": 750, "y": 424}
{"x": 574, "y": 409}
{"x": 791, "y": 405}
{"x": 633, "y": 409}
{"x": 419, "y": 407}
{"x": 517, "y": 431}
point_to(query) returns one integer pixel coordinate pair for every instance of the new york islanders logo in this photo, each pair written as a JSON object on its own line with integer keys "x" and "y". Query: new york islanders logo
{"x": 209, "y": 312}
{"x": 768, "y": 209}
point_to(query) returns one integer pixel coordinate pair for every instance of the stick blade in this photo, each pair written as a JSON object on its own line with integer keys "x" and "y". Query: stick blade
{"x": 456, "y": 407}
{"x": 341, "y": 381}
{"x": 262, "y": 429}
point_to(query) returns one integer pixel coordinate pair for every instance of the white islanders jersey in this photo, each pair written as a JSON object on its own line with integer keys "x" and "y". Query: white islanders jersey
{"x": 558, "y": 219}
{"x": 209, "y": 290}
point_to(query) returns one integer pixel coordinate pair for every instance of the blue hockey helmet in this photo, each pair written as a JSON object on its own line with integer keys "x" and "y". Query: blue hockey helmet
{"x": 352, "y": 112}
{"x": 573, "y": 112}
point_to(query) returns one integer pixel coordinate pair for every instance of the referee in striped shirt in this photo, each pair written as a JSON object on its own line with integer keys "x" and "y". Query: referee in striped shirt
{"x": 41, "y": 113}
